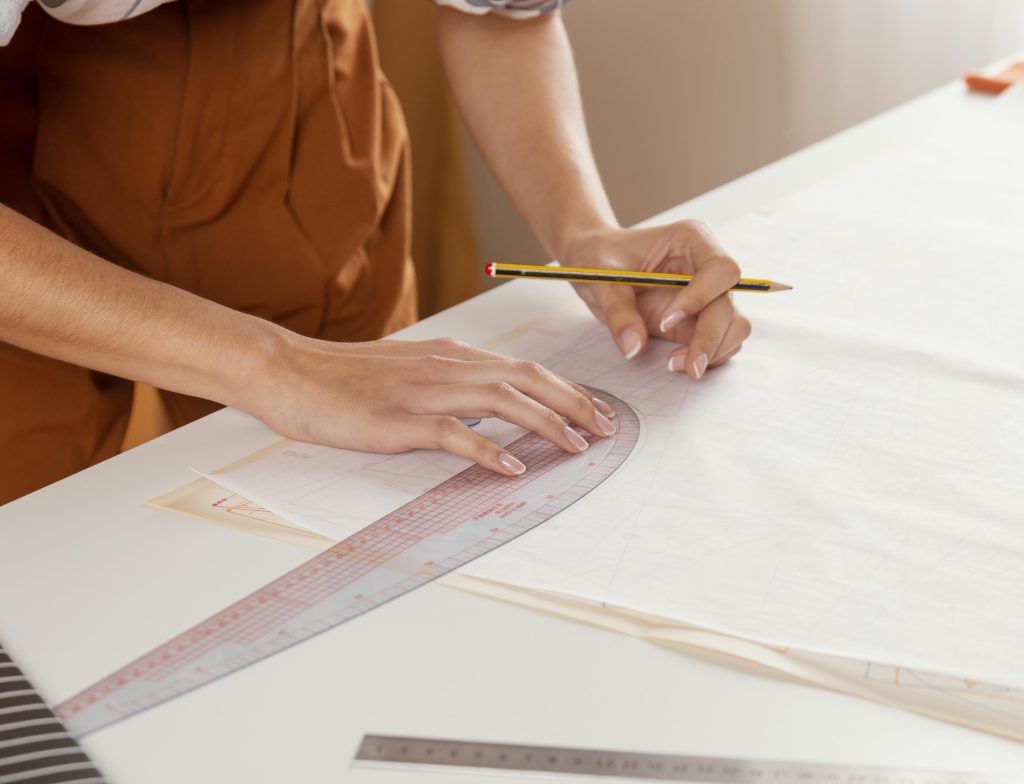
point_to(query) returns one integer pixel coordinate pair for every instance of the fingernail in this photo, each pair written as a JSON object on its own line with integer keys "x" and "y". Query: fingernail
{"x": 511, "y": 463}
{"x": 671, "y": 320}
{"x": 700, "y": 364}
{"x": 604, "y": 424}
{"x": 675, "y": 362}
{"x": 603, "y": 407}
{"x": 575, "y": 439}
{"x": 629, "y": 343}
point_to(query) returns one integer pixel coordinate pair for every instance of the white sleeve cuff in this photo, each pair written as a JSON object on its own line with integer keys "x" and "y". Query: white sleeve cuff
{"x": 514, "y": 9}
{"x": 10, "y": 18}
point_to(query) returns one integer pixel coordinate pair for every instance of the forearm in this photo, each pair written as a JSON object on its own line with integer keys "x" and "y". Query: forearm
{"x": 384, "y": 396}
{"x": 62, "y": 302}
{"x": 515, "y": 84}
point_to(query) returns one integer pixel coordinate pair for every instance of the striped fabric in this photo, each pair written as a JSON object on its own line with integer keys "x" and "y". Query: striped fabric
{"x": 34, "y": 746}
{"x": 517, "y": 9}
{"x": 83, "y": 12}
{"x": 89, "y": 12}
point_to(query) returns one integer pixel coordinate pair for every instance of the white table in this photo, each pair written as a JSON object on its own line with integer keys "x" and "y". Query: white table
{"x": 90, "y": 577}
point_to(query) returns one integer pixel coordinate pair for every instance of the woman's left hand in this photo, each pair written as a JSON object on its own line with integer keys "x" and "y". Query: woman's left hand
{"x": 700, "y": 317}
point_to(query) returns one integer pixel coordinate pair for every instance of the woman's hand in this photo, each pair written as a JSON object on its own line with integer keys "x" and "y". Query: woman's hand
{"x": 700, "y": 317}
{"x": 392, "y": 396}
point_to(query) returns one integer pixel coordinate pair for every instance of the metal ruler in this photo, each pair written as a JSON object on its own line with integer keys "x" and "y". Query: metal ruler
{"x": 446, "y": 527}
{"x": 462, "y": 754}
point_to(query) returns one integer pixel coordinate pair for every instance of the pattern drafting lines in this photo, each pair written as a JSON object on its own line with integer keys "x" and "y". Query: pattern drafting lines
{"x": 849, "y": 486}
{"x": 872, "y": 562}
{"x": 336, "y": 492}
{"x": 989, "y": 707}
{"x": 457, "y": 521}
{"x": 236, "y": 505}
{"x": 725, "y": 539}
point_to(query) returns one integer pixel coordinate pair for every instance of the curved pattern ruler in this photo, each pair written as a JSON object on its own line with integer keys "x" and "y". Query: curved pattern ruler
{"x": 446, "y": 527}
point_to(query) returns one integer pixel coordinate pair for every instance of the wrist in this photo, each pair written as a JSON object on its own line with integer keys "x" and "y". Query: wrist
{"x": 585, "y": 246}
{"x": 570, "y": 218}
{"x": 261, "y": 366}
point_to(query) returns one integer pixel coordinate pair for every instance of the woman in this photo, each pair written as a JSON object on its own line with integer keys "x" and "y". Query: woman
{"x": 213, "y": 198}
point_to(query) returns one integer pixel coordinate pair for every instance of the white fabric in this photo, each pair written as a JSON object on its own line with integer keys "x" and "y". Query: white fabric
{"x": 80, "y": 12}
{"x": 852, "y": 483}
{"x": 514, "y": 9}
{"x": 10, "y": 18}
{"x": 93, "y": 12}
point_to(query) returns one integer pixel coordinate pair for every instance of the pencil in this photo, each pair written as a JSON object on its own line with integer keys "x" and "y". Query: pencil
{"x": 629, "y": 278}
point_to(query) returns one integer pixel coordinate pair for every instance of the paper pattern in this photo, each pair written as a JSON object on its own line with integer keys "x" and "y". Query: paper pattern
{"x": 851, "y": 486}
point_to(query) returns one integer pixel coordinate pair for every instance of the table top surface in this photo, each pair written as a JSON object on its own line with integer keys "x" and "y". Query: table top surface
{"x": 90, "y": 577}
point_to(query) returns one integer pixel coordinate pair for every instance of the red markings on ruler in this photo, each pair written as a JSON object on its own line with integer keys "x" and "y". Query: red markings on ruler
{"x": 359, "y": 573}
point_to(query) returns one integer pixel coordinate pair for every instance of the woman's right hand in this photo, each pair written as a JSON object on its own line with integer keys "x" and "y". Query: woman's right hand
{"x": 393, "y": 396}
{"x": 379, "y": 396}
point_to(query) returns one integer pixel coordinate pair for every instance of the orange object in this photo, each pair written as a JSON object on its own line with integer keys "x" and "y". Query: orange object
{"x": 995, "y": 83}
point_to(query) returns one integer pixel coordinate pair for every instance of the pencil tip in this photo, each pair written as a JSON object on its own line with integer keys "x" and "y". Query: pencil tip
{"x": 780, "y": 287}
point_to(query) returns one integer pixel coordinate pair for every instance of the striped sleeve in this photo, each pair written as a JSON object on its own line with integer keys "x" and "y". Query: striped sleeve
{"x": 10, "y": 18}
{"x": 93, "y": 12}
{"x": 34, "y": 746}
{"x": 79, "y": 12}
{"x": 515, "y": 9}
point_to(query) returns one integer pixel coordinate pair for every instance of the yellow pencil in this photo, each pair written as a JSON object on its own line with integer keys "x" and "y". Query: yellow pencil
{"x": 630, "y": 278}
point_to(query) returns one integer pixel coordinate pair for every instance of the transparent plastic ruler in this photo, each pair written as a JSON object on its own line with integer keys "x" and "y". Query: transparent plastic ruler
{"x": 446, "y": 527}
{"x": 427, "y": 753}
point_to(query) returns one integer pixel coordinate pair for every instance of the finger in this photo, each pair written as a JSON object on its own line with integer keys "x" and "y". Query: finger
{"x": 449, "y": 347}
{"x": 715, "y": 272}
{"x": 677, "y": 360}
{"x": 501, "y": 399}
{"x": 738, "y": 331}
{"x": 682, "y": 333}
{"x": 599, "y": 404}
{"x": 554, "y": 392}
{"x": 723, "y": 358}
{"x": 531, "y": 379}
{"x": 456, "y": 349}
{"x": 619, "y": 313}
{"x": 448, "y": 433}
{"x": 712, "y": 324}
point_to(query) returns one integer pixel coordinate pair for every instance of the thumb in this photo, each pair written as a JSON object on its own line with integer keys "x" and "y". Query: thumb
{"x": 619, "y": 312}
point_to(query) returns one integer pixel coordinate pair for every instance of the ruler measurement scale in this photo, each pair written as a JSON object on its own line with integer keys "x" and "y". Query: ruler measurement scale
{"x": 460, "y": 754}
{"x": 446, "y": 527}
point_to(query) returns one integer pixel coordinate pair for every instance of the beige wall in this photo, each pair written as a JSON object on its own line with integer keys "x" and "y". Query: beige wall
{"x": 683, "y": 95}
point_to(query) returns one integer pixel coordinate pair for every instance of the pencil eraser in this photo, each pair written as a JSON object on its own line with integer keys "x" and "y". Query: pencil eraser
{"x": 489, "y": 269}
